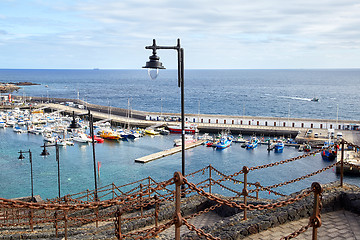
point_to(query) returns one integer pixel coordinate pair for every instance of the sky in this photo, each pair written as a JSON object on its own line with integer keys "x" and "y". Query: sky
{"x": 226, "y": 34}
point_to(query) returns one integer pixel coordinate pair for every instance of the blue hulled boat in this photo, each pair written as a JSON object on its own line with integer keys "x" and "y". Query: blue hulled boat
{"x": 329, "y": 152}
{"x": 279, "y": 146}
{"x": 223, "y": 143}
{"x": 253, "y": 143}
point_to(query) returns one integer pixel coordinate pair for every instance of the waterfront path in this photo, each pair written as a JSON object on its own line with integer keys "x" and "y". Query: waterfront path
{"x": 335, "y": 226}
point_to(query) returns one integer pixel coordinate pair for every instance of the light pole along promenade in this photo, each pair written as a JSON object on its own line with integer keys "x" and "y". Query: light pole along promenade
{"x": 153, "y": 65}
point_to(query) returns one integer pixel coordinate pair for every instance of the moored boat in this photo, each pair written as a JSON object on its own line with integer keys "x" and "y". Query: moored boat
{"x": 307, "y": 148}
{"x": 96, "y": 139}
{"x": 151, "y": 131}
{"x": 239, "y": 139}
{"x": 279, "y": 146}
{"x": 329, "y": 152}
{"x": 253, "y": 143}
{"x": 223, "y": 143}
{"x": 189, "y": 128}
{"x": 81, "y": 138}
{"x": 188, "y": 139}
{"x": 109, "y": 134}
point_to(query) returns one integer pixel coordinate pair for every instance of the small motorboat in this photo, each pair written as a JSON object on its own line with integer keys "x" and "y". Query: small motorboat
{"x": 253, "y": 143}
{"x": 188, "y": 139}
{"x": 307, "y": 148}
{"x": 96, "y": 138}
{"x": 239, "y": 139}
{"x": 151, "y": 131}
{"x": 189, "y": 128}
{"x": 329, "y": 152}
{"x": 18, "y": 129}
{"x": 223, "y": 143}
{"x": 279, "y": 146}
{"x": 109, "y": 134}
{"x": 81, "y": 138}
{"x": 314, "y": 99}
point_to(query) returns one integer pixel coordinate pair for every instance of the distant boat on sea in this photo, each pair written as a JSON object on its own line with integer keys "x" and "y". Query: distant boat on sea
{"x": 314, "y": 99}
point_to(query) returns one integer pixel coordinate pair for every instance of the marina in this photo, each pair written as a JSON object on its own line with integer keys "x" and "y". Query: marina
{"x": 125, "y": 107}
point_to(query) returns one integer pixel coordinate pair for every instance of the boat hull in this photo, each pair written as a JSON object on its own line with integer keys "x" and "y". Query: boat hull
{"x": 188, "y": 129}
{"x": 328, "y": 156}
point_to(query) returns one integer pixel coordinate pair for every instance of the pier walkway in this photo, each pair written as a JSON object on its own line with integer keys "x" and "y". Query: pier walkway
{"x": 167, "y": 152}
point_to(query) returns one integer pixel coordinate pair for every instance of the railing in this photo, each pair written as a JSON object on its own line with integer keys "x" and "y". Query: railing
{"x": 143, "y": 200}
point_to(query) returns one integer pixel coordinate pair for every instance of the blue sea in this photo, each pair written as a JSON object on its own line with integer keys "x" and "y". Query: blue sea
{"x": 275, "y": 93}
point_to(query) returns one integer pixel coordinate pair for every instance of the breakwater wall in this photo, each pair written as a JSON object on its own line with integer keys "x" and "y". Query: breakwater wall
{"x": 205, "y": 122}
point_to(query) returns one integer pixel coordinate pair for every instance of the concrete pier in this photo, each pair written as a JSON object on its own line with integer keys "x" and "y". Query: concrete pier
{"x": 216, "y": 123}
{"x": 167, "y": 152}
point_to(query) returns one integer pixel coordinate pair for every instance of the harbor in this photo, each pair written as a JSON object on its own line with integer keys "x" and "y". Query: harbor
{"x": 245, "y": 143}
{"x": 250, "y": 125}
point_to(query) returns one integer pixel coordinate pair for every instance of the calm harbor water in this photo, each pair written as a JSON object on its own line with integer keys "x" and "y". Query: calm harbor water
{"x": 278, "y": 93}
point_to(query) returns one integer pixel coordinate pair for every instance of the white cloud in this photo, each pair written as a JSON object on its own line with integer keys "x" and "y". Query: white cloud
{"x": 271, "y": 30}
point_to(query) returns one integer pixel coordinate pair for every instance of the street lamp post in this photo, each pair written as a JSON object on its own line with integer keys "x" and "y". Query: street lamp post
{"x": 75, "y": 125}
{"x": 45, "y": 153}
{"x": 153, "y": 65}
{"x": 31, "y": 171}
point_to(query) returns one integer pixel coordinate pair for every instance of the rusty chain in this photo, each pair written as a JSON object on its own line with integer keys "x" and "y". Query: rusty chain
{"x": 312, "y": 222}
{"x": 199, "y": 232}
{"x": 350, "y": 144}
{"x": 249, "y": 206}
{"x": 93, "y": 205}
{"x": 350, "y": 164}
{"x": 298, "y": 232}
{"x": 303, "y": 177}
{"x": 285, "y": 161}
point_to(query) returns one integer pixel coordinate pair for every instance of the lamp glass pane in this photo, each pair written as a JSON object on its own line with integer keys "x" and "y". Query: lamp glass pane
{"x": 153, "y": 72}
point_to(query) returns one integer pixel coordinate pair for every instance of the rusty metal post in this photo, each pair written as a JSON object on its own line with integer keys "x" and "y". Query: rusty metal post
{"x": 245, "y": 192}
{"x": 113, "y": 190}
{"x": 149, "y": 186}
{"x": 56, "y": 225}
{"x": 257, "y": 184}
{"x": 156, "y": 210}
{"x": 87, "y": 194}
{"x": 97, "y": 217}
{"x": 118, "y": 224}
{"x": 315, "y": 218}
{"x": 32, "y": 219}
{"x": 141, "y": 199}
{"x": 179, "y": 181}
{"x": 342, "y": 163}
{"x": 65, "y": 218}
{"x": 210, "y": 167}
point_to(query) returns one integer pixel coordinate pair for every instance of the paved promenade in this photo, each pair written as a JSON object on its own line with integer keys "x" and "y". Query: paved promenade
{"x": 335, "y": 226}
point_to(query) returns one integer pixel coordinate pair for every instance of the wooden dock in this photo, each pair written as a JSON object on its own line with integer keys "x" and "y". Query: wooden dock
{"x": 167, "y": 152}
